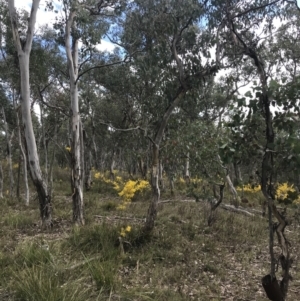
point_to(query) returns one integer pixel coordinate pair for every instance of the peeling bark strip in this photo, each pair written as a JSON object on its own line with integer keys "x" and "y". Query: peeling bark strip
{"x": 32, "y": 154}
{"x": 274, "y": 291}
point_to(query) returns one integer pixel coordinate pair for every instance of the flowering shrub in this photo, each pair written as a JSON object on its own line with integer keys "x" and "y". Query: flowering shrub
{"x": 116, "y": 185}
{"x": 283, "y": 190}
{"x": 297, "y": 201}
{"x": 130, "y": 189}
{"x": 125, "y": 230}
{"x": 249, "y": 188}
{"x": 286, "y": 193}
{"x": 125, "y": 190}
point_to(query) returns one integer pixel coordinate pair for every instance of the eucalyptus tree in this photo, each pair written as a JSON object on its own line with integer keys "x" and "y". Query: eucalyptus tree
{"x": 242, "y": 22}
{"x": 173, "y": 48}
{"x": 23, "y": 48}
{"x": 84, "y": 22}
{"x": 46, "y": 78}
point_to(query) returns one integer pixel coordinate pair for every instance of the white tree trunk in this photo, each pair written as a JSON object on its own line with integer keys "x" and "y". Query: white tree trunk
{"x": 44, "y": 143}
{"x": 77, "y": 148}
{"x": 187, "y": 168}
{"x": 32, "y": 155}
{"x": 160, "y": 175}
{"x": 24, "y": 160}
{"x": 233, "y": 191}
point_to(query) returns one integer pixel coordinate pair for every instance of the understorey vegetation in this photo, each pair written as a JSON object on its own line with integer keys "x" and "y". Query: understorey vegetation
{"x": 111, "y": 258}
{"x": 149, "y": 150}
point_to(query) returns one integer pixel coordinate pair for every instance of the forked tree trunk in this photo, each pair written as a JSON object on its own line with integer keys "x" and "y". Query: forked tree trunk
{"x": 32, "y": 155}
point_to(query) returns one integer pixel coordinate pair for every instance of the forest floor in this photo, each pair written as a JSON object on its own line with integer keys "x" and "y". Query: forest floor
{"x": 184, "y": 259}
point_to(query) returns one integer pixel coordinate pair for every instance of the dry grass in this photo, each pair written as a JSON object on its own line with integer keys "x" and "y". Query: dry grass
{"x": 184, "y": 259}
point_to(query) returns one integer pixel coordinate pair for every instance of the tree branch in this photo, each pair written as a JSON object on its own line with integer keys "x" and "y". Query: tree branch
{"x": 254, "y": 8}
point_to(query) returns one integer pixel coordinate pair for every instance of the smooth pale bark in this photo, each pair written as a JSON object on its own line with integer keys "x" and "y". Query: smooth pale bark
{"x": 160, "y": 174}
{"x": 112, "y": 166}
{"x": 32, "y": 154}
{"x": 50, "y": 176}
{"x": 23, "y": 160}
{"x": 44, "y": 142}
{"x": 96, "y": 160}
{"x": 236, "y": 199}
{"x": 187, "y": 168}
{"x": 77, "y": 151}
{"x": 9, "y": 155}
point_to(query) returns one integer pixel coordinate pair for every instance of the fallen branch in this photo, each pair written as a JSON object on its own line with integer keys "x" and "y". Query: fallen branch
{"x": 223, "y": 206}
{"x": 235, "y": 209}
{"x": 120, "y": 218}
{"x": 173, "y": 201}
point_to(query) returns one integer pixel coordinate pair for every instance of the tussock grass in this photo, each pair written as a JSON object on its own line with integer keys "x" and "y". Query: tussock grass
{"x": 44, "y": 283}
